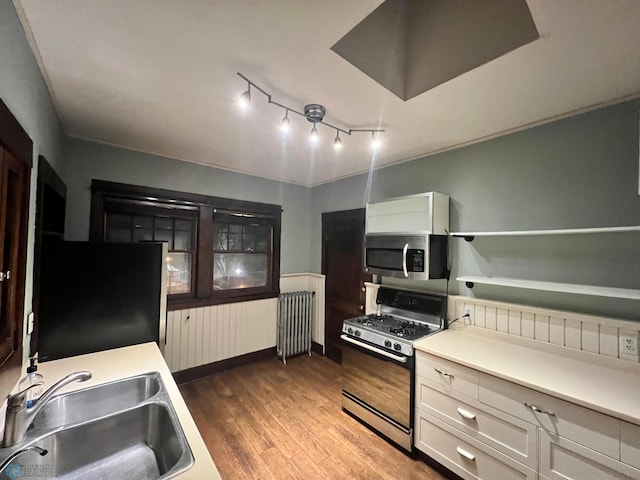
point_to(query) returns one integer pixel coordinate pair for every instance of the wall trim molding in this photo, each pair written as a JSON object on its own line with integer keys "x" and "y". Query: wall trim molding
{"x": 202, "y": 371}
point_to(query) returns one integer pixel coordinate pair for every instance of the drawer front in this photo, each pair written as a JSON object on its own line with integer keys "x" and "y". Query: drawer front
{"x": 452, "y": 377}
{"x": 507, "y": 434}
{"x": 630, "y": 444}
{"x": 462, "y": 454}
{"x": 562, "y": 459}
{"x": 592, "y": 429}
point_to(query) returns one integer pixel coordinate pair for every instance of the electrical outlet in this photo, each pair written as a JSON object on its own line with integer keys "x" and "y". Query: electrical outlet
{"x": 629, "y": 343}
{"x": 468, "y": 312}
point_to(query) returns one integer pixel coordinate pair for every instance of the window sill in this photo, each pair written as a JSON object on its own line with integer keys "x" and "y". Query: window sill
{"x": 182, "y": 304}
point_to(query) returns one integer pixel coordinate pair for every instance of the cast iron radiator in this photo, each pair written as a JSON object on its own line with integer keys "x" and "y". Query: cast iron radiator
{"x": 295, "y": 318}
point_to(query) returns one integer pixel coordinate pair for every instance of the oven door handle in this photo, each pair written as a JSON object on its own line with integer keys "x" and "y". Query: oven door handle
{"x": 377, "y": 350}
{"x": 404, "y": 260}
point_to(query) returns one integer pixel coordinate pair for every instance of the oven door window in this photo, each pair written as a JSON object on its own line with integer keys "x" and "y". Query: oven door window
{"x": 382, "y": 384}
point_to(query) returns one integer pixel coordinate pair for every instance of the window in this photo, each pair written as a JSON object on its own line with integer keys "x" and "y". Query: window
{"x": 220, "y": 250}
{"x": 177, "y": 232}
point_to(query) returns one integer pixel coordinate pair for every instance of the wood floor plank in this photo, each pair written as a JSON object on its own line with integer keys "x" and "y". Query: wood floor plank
{"x": 272, "y": 421}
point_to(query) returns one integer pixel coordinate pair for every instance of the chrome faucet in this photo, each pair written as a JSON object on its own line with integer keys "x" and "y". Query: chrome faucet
{"x": 34, "y": 448}
{"x": 19, "y": 416}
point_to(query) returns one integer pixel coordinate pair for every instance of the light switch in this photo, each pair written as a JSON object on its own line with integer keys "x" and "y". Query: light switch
{"x": 30, "y": 323}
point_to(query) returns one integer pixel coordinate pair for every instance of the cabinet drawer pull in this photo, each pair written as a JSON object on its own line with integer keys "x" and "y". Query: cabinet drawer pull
{"x": 466, "y": 454}
{"x": 539, "y": 410}
{"x": 444, "y": 374}
{"x": 466, "y": 414}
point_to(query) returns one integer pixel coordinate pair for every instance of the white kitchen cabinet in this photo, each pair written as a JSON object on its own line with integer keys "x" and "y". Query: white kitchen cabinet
{"x": 503, "y": 432}
{"x": 464, "y": 455}
{"x": 587, "y": 427}
{"x": 562, "y": 459}
{"x": 426, "y": 213}
{"x": 452, "y": 377}
{"x": 481, "y": 426}
{"x": 630, "y": 444}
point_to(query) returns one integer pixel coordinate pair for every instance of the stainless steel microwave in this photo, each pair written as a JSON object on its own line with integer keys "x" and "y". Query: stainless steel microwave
{"x": 414, "y": 257}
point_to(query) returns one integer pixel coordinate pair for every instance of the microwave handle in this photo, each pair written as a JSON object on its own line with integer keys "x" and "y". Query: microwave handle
{"x": 404, "y": 260}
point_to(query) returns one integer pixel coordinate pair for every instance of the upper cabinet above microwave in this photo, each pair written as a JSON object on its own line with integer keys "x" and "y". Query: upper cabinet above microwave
{"x": 426, "y": 213}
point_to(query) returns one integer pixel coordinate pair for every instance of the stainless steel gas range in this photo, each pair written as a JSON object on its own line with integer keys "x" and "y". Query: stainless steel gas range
{"x": 378, "y": 362}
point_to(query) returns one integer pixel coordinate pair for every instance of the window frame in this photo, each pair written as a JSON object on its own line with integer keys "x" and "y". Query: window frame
{"x": 104, "y": 195}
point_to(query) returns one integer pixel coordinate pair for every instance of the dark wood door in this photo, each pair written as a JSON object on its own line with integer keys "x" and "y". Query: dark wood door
{"x": 12, "y": 198}
{"x": 16, "y": 150}
{"x": 342, "y": 241}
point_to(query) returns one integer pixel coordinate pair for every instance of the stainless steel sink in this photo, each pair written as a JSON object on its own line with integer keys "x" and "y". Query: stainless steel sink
{"x": 127, "y": 429}
{"x": 98, "y": 401}
{"x": 143, "y": 443}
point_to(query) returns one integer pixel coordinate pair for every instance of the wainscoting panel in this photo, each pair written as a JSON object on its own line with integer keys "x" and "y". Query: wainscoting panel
{"x": 589, "y": 333}
{"x": 198, "y": 336}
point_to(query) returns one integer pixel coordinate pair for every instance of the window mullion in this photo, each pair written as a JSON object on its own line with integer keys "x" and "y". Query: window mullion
{"x": 204, "y": 262}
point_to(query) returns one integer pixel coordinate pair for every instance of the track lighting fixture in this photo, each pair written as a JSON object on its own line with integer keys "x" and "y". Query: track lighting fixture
{"x": 313, "y": 112}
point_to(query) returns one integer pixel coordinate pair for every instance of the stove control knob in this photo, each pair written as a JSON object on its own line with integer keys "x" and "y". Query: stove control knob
{"x": 357, "y": 333}
{"x": 397, "y": 346}
{"x": 387, "y": 343}
{"x": 350, "y": 330}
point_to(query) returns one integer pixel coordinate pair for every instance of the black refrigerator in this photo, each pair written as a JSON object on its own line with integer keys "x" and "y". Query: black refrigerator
{"x": 99, "y": 296}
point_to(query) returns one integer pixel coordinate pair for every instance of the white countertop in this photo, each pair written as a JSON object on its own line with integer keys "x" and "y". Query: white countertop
{"x": 125, "y": 362}
{"x": 604, "y": 384}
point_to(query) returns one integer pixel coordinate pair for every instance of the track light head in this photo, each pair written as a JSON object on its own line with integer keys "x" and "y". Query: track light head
{"x": 313, "y": 136}
{"x": 285, "y": 124}
{"x": 375, "y": 140}
{"x": 245, "y": 99}
{"x": 337, "y": 143}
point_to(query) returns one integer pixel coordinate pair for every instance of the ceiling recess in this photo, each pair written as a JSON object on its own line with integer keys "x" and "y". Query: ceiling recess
{"x": 411, "y": 46}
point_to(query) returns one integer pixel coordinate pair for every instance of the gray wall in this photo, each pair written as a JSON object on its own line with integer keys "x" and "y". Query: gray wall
{"x": 24, "y": 92}
{"x": 577, "y": 172}
{"x": 85, "y": 161}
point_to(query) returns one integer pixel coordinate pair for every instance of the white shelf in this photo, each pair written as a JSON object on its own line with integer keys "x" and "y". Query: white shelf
{"x": 566, "y": 231}
{"x": 554, "y": 287}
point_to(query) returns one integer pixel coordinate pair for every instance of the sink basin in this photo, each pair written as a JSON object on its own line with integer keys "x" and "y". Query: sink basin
{"x": 144, "y": 443}
{"x": 94, "y": 402}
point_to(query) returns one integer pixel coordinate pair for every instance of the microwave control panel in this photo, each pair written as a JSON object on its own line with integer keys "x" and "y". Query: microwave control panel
{"x": 415, "y": 260}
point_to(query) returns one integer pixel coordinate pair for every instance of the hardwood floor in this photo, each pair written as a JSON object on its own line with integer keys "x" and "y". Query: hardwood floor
{"x": 267, "y": 420}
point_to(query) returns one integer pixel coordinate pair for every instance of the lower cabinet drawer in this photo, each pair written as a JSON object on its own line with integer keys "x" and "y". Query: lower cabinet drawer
{"x": 587, "y": 427}
{"x": 450, "y": 376}
{"x": 464, "y": 455}
{"x": 507, "y": 434}
{"x": 562, "y": 459}
{"x": 630, "y": 444}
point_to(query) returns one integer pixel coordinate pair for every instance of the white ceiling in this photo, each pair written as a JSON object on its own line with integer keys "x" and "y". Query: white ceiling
{"x": 159, "y": 76}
